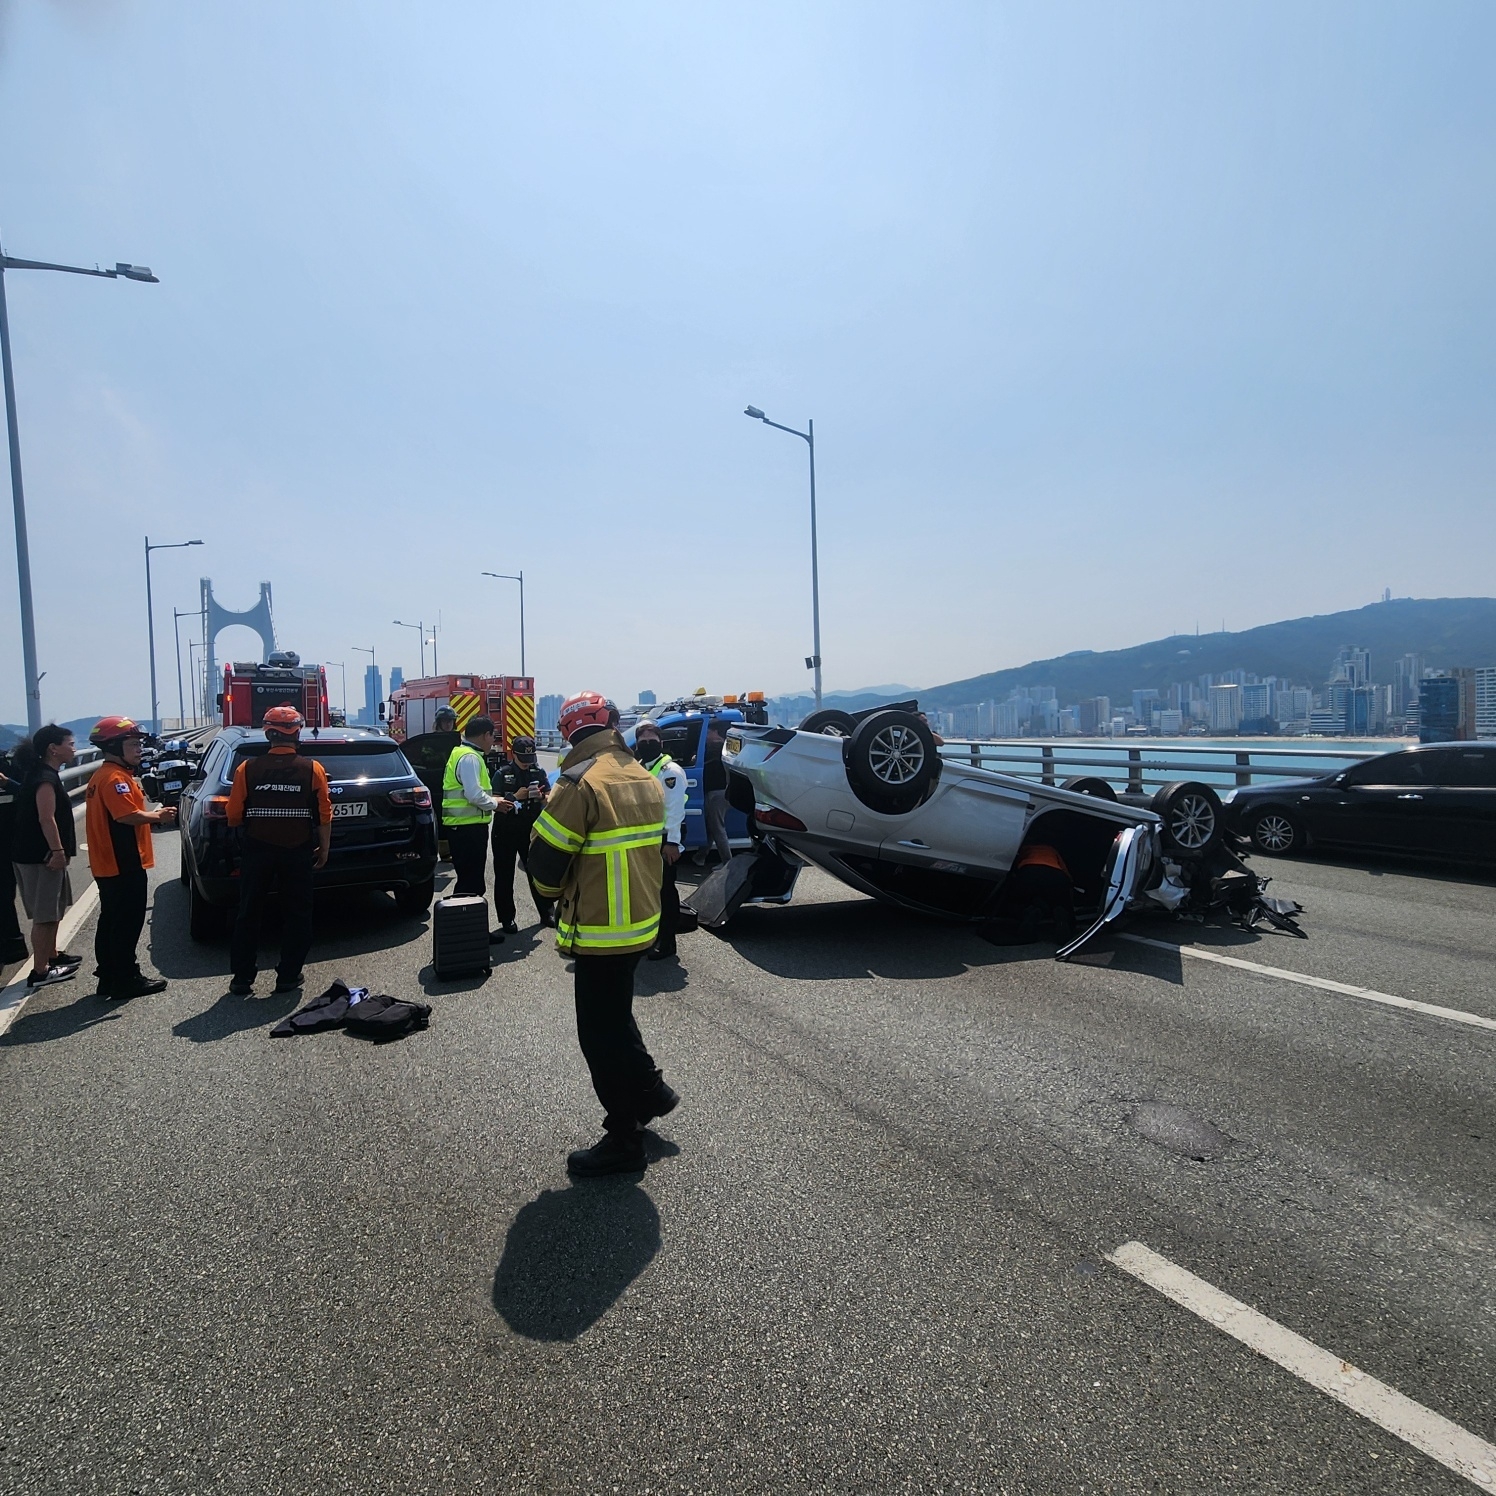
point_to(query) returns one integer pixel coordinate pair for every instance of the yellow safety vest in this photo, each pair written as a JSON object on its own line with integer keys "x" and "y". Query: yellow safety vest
{"x": 457, "y": 809}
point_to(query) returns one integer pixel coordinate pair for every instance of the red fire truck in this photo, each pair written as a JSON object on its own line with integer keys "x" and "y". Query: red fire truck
{"x": 508, "y": 699}
{"x": 251, "y": 689}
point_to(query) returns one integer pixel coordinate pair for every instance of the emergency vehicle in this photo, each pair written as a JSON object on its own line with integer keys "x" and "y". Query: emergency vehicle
{"x": 508, "y": 699}
{"x": 683, "y": 725}
{"x": 251, "y": 689}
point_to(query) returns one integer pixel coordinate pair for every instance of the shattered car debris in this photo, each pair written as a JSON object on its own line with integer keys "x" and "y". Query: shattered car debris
{"x": 868, "y": 798}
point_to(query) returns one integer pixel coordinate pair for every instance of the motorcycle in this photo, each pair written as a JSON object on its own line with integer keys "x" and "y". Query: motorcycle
{"x": 168, "y": 771}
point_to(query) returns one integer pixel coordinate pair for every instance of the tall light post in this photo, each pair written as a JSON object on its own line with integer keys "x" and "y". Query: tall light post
{"x": 420, "y": 629}
{"x": 17, "y": 490}
{"x": 363, "y": 651}
{"x": 177, "y": 615}
{"x": 809, "y": 437}
{"x": 150, "y": 621}
{"x": 519, "y": 577}
{"x": 343, "y": 673}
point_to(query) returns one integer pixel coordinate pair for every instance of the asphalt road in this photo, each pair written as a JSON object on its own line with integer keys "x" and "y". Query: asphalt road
{"x": 869, "y": 1253}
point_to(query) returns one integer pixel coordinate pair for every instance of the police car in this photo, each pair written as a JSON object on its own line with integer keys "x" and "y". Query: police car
{"x": 683, "y": 725}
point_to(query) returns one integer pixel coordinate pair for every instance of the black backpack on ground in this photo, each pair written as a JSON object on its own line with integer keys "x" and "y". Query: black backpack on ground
{"x": 380, "y": 1016}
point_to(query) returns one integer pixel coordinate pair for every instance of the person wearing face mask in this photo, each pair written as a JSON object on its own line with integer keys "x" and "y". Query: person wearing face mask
{"x": 522, "y": 785}
{"x": 649, "y": 749}
{"x": 119, "y": 854}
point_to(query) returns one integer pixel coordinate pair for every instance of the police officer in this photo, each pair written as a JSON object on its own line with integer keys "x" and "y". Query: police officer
{"x": 523, "y": 783}
{"x": 597, "y": 852}
{"x": 649, "y": 749}
{"x": 282, "y": 801}
{"x": 120, "y": 850}
{"x": 468, "y": 805}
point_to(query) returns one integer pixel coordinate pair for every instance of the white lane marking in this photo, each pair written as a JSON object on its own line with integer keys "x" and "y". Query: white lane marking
{"x": 1369, "y": 994}
{"x": 1454, "y": 1447}
{"x": 13, "y": 994}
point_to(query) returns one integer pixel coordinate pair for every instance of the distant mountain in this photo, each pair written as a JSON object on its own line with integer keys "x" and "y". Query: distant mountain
{"x": 1448, "y": 632}
{"x": 11, "y": 733}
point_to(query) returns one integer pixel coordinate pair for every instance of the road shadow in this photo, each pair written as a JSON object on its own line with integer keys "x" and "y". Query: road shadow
{"x": 654, "y": 977}
{"x": 42, "y": 1025}
{"x": 570, "y": 1253}
{"x": 1379, "y": 865}
{"x": 232, "y": 1015}
{"x": 858, "y": 938}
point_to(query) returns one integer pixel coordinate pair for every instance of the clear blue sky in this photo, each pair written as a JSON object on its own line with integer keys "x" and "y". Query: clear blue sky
{"x": 1112, "y": 319}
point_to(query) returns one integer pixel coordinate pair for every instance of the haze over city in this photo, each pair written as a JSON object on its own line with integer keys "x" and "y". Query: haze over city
{"x": 1111, "y": 323}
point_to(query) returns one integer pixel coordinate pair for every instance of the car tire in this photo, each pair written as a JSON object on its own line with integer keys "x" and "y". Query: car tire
{"x": 740, "y": 792}
{"x": 1191, "y": 813}
{"x": 414, "y": 900}
{"x": 1275, "y": 832}
{"x": 205, "y": 921}
{"x": 892, "y": 762}
{"x": 1088, "y": 784}
{"x": 832, "y": 723}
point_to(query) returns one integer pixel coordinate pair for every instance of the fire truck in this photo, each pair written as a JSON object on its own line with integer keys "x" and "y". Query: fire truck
{"x": 251, "y": 689}
{"x": 508, "y": 699}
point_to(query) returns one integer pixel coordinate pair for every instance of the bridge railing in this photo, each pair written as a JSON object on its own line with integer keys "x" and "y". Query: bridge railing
{"x": 1136, "y": 768}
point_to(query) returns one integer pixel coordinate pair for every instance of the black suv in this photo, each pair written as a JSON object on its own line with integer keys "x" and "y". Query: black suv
{"x": 383, "y": 832}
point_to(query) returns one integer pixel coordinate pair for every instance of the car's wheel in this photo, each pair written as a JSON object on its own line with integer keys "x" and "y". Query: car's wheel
{"x": 892, "y": 761}
{"x": 205, "y": 921}
{"x": 1191, "y": 813}
{"x": 1086, "y": 784}
{"x": 1276, "y": 832}
{"x": 832, "y": 723}
{"x": 414, "y": 899}
{"x": 740, "y": 792}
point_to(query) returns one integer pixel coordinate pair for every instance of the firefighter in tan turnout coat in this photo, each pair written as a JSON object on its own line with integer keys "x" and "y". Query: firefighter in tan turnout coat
{"x": 596, "y": 850}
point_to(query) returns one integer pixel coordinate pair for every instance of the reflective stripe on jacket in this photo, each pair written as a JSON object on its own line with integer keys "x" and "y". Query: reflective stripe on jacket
{"x": 596, "y": 850}
{"x": 673, "y": 781}
{"x": 457, "y": 809}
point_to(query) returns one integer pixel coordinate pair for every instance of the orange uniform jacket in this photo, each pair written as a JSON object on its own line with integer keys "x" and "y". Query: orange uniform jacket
{"x": 113, "y": 792}
{"x": 1036, "y": 854}
{"x": 319, "y": 784}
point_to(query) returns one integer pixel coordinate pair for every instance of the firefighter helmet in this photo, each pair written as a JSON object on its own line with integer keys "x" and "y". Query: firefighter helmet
{"x": 111, "y": 732}
{"x": 285, "y": 720}
{"x": 586, "y": 709}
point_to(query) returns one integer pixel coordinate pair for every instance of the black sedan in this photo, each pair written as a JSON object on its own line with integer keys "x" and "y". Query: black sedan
{"x": 1438, "y": 800}
{"x": 383, "y": 833}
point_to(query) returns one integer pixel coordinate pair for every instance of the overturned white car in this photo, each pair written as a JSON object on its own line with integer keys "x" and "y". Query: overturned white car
{"x": 870, "y": 799}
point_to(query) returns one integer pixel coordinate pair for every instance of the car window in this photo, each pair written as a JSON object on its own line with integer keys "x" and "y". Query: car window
{"x": 1394, "y": 769}
{"x": 346, "y": 767}
{"x": 681, "y": 741}
{"x": 1468, "y": 768}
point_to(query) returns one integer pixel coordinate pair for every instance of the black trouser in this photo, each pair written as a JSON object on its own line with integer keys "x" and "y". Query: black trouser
{"x": 669, "y": 907}
{"x": 468, "y": 845}
{"x": 290, "y": 870}
{"x": 510, "y": 842}
{"x": 1035, "y": 891}
{"x": 624, "y": 1074}
{"x": 121, "y": 919}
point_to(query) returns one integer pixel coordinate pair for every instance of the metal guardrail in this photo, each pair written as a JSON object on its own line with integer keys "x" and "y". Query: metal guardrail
{"x": 76, "y": 776}
{"x": 1135, "y": 768}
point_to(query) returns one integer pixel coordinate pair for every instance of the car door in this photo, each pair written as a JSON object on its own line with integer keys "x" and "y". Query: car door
{"x": 1387, "y": 804}
{"x": 1466, "y": 808}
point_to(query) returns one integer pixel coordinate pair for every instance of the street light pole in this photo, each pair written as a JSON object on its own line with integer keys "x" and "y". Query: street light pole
{"x": 519, "y": 577}
{"x": 150, "y": 620}
{"x": 176, "y": 628}
{"x": 17, "y": 490}
{"x": 420, "y": 628}
{"x": 343, "y": 674}
{"x": 808, "y": 437}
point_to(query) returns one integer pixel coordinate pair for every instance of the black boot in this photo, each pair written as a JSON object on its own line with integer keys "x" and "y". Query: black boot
{"x": 659, "y": 1101}
{"x": 616, "y": 1153}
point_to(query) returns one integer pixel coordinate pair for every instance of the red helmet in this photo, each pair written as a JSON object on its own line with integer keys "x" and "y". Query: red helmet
{"x": 586, "y": 709}
{"x": 284, "y": 719}
{"x": 111, "y": 732}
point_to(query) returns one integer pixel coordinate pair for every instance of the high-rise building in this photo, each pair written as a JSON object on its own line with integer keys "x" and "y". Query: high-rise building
{"x": 548, "y": 713}
{"x": 1360, "y": 711}
{"x": 1406, "y": 674}
{"x": 1438, "y": 709}
{"x": 646, "y": 698}
{"x": 1257, "y": 702}
{"x": 1353, "y": 666}
{"x": 1225, "y": 708}
{"x": 1485, "y": 702}
{"x": 1143, "y": 703}
{"x": 373, "y": 695}
{"x": 397, "y": 678}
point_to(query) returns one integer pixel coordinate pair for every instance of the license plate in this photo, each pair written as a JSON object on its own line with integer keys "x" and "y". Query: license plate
{"x": 344, "y": 811}
{"x": 733, "y": 745}
{"x": 173, "y": 784}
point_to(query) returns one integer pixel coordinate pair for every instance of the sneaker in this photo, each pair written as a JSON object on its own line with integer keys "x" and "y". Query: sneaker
{"x": 660, "y": 1101}
{"x": 242, "y": 987}
{"x": 289, "y": 984}
{"x": 64, "y": 958}
{"x": 616, "y": 1153}
{"x": 510, "y": 928}
{"x": 52, "y": 974}
{"x": 139, "y": 987}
